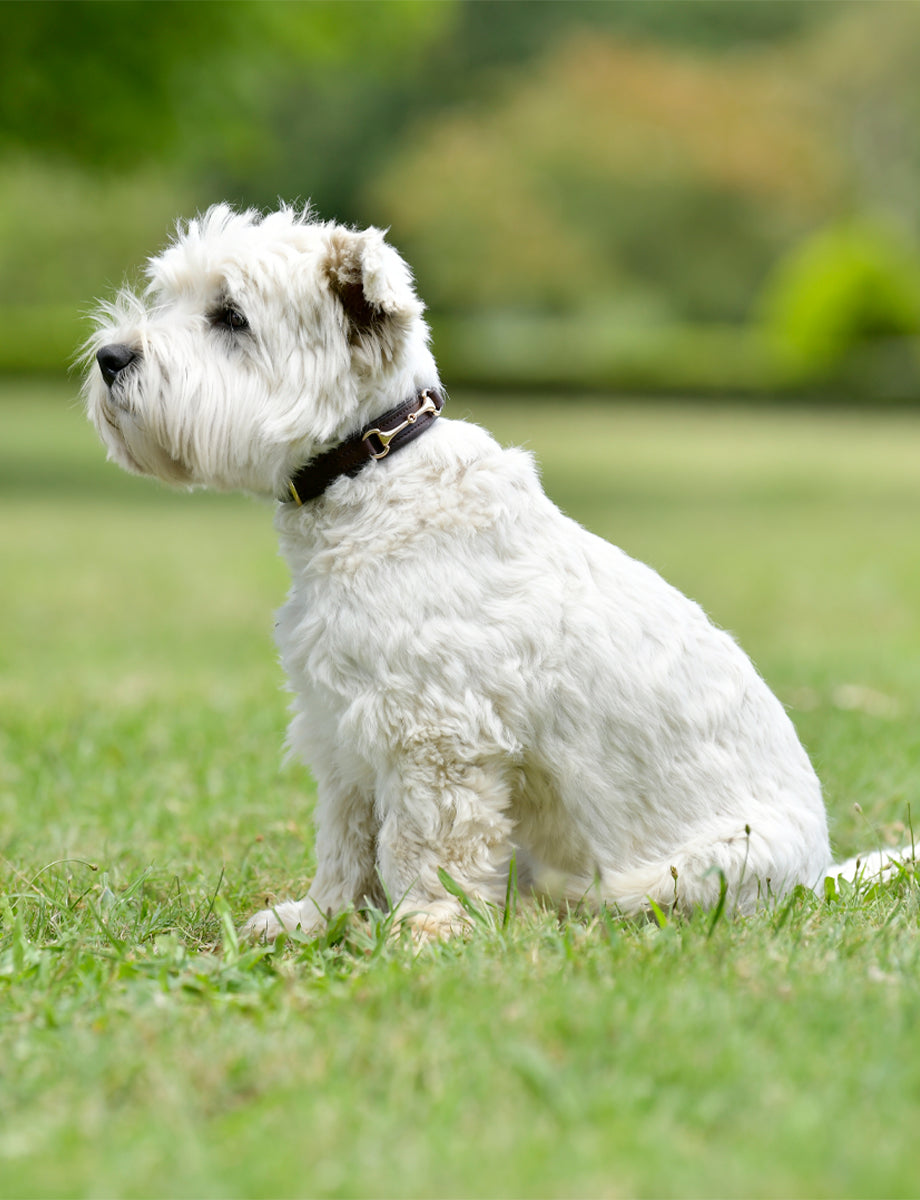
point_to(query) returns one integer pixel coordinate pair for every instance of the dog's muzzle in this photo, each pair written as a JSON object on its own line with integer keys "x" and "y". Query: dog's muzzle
{"x": 115, "y": 359}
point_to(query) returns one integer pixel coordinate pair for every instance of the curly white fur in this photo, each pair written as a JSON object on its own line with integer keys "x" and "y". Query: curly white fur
{"x": 475, "y": 675}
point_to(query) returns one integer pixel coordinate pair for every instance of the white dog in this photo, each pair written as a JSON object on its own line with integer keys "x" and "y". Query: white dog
{"x": 476, "y": 676}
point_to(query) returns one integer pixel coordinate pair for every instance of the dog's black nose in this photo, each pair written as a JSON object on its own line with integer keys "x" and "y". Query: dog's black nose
{"x": 113, "y": 360}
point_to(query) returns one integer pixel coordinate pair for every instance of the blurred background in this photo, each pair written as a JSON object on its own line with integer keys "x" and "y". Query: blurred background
{"x": 634, "y": 196}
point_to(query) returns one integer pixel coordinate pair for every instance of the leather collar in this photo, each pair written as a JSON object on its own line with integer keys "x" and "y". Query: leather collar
{"x": 392, "y": 431}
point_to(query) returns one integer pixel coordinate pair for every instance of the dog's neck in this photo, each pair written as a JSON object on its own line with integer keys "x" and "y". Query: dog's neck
{"x": 382, "y": 437}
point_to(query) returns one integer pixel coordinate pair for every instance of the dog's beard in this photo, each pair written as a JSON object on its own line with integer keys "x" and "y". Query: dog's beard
{"x": 149, "y": 457}
{"x": 119, "y": 419}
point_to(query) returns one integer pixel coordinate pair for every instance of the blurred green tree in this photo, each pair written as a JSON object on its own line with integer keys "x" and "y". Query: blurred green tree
{"x": 845, "y": 286}
{"x": 120, "y": 85}
{"x": 117, "y": 117}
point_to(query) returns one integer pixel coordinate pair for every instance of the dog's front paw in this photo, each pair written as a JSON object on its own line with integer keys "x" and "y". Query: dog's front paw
{"x": 263, "y": 926}
{"x": 435, "y": 923}
{"x": 267, "y": 924}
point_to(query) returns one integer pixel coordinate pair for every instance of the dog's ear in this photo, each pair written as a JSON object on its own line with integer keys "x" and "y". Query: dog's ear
{"x": 372, "y": 283}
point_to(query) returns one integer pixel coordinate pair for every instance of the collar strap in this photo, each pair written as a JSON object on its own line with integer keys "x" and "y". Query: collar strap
{"x": 392, "y": 431}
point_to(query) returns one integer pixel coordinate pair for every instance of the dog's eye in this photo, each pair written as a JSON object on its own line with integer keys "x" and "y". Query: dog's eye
{"x": 230, "y": 318}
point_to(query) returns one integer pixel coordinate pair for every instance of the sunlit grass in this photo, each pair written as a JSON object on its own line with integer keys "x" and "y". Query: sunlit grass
{"x": 144, "y": 811}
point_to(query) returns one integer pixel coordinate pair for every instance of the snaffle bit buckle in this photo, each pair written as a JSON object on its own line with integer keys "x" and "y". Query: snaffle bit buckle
{"x": 385, "y": 436}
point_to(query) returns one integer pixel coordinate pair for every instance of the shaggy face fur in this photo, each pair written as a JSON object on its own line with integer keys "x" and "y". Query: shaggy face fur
{"x": 221, "y": 404}
{"x": 475, "y": 676}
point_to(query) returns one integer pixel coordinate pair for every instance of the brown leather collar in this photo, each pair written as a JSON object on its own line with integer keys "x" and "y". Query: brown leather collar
{"x": 392, "y": 431}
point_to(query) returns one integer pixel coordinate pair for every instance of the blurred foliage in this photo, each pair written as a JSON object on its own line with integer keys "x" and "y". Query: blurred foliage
{"x": 127, "y": 84}
{"x": 675, "y": 194}
{"x": 637, "y": 171}
{"x": 845, "y": 285}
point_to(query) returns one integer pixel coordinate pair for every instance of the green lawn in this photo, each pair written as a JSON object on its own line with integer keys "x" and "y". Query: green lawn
{"x": 145, "y": 811}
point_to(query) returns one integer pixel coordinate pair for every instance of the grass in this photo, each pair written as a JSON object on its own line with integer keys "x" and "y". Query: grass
{"x": 144, "y": 812}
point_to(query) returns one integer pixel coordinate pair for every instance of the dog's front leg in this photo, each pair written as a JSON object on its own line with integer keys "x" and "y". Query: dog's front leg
{"x": 346, "y": 871}
{"x": 437, "y": 813}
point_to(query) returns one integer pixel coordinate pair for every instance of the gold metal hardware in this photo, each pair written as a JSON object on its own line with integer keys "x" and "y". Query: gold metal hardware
{"x": 385, "y": 436}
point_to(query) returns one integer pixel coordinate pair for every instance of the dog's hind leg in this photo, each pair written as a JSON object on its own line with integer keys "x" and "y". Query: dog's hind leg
{"x": 750, "y": 868}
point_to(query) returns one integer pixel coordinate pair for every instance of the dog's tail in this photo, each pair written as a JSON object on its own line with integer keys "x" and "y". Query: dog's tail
{"x": 741, "y": 870}
{"x": 876, "y": 866}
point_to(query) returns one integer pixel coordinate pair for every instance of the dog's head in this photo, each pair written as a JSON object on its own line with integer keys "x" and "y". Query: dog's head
{"x": 258, "y": 342}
